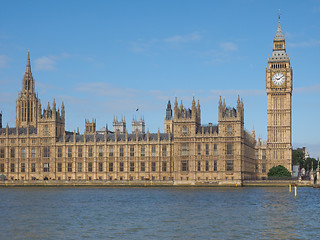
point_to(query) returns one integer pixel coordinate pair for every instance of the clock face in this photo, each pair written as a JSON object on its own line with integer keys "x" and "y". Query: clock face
{"x": 278, "y": 79}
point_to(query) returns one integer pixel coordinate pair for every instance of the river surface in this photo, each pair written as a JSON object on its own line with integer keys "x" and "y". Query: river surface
{"x": 159, "y": 213}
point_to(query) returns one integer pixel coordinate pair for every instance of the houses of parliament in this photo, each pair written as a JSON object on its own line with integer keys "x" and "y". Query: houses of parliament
{"x": 188, "y": 152}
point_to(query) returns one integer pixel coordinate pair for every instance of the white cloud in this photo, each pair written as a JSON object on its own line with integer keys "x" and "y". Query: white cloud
{"x": 316, "y": 9}
{"x": 228, "y": 46}
{"x": 142, "y": 45}
{"x": 3, "y": 61}
{"x": 48, "y": 63}
{"x": 309, "y": 43}
{"x": 44, "y": 64}
{"x": 183, "y": 38}
{"x": 309, "y": 89}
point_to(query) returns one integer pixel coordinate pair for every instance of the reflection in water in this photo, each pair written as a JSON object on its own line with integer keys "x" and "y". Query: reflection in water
{"x": 159, "y": 213}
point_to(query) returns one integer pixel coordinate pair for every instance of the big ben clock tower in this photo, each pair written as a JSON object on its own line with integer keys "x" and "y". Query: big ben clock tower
{"x": 279, "y": 91}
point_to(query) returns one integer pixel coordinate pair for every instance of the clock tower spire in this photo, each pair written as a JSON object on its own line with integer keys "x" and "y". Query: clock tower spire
{"x": 279, "y": 93}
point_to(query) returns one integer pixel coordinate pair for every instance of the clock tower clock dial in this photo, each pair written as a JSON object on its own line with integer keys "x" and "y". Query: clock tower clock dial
{"x": 279, "y": 92}
{"x": 278, "y": 79}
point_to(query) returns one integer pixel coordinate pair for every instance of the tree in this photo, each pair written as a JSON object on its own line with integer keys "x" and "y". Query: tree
{"x": 298, "y": 158}
{"x": 279, "y": 171}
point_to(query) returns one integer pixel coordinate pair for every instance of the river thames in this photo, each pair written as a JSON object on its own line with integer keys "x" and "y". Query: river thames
{"x": 159, "y": 213}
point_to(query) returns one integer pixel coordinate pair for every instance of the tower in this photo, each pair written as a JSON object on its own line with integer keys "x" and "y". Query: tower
{"x": 90, "y": 127}
{"x": 27, "y": 108}
{"x": 119, "y": 126}
{"x": 168, "y": 124}
{"x": 279, "y": 92}
{"x": 138, "y": 126}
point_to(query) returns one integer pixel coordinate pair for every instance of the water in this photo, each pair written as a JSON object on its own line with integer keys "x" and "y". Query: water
{"x": 159, "y": 213}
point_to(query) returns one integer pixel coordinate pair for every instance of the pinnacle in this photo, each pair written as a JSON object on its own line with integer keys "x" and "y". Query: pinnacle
{"x": 279, "y": 35}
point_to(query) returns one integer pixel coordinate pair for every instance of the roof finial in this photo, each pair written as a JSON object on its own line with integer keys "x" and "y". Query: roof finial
{"x": 28, "y": 63}
{"x": 279, "y": 35}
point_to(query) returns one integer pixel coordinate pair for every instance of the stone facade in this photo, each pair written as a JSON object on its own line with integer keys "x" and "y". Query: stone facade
{"x": 188, "y": 152}
{"x": 279, "y": 91}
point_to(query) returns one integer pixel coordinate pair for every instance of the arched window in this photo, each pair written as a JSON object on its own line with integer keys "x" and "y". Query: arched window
{"x": 229, "y": 129}
{"x": 184, "y": 130}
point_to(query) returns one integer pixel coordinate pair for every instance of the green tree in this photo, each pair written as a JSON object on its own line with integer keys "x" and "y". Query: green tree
{"x": 310, "y": 162}
{"x": 298, "y": 158}
{"x": 279, "y": 171}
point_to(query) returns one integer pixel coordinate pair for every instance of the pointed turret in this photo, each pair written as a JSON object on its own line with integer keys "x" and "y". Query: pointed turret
{"x": 199, "y": 113}
{"x": 279, "y": 50}
{"x": 28, "y": 84}
{"x": 54, "y": 108}
{"x": 168, "y": 111}
{"x": 28, "y": 70}
{"x": 176, "y": 108}
{"x": 62, "y": 111}
{"x": 279, "y": 35}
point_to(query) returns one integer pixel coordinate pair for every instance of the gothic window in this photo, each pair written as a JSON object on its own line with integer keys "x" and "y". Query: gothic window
{"x": 46, "y": 167}
{"x": 12, "y": 167}
{"x": 131, "y": 166}
{"x": 79, "y": 152}
{"x": 2, "y": 152}
{"x": 33, "y": 167}
{"x": 69, "y": 167}
{"x": 164, "y": 151}
{"x": 69, "y": 152}
{"x": 199, "y": 149}
{"x": 153, "y": 151}
{"x": 164, "y": 166}
{"x": 185, "y": 149}
{"x": 184, "y": 130}
{"x": 143, "y": 151}
{"x": 264, "y": 154}
{"x": 131, "y": 151}
{"x": 207, "y": 149}
{"x": 100, "y": 167}
{"x": 229, "y": 129}
{"x": 185, "y": 165}
{"x": 23, "y": 167}
{"x": 110, "y": 166}
{"x": 90, "y": 152}
{"x": 215, "y": 165}
{"x": 111, "y": 151}
{"x": 207, "y": 166}
{"x": 121, "y": 152}
{"x": 12, "y": 152}
{"x": 2, "y": 167}
{"x": 100, "y": 151}
{"x": 215, "y": 149}
{"x": 121, "y": 166}
{"x": 46, "y": 130}
{"x": 199, "y": 166}
{"x": 79, "y": 167}
{"x": 23, "y": 153}
{"x": 59, "y": 169}
{"x": 142, "y": 166}
{"x": 46, "y": 152}
{"x": 229, "y": 148}
{"x": 229, "y": 165}
{"x": 59, "y": 152}
{"x": 89, "y": 167}
{"x": 153, "y": 166}
{"x": 264, "y": 168}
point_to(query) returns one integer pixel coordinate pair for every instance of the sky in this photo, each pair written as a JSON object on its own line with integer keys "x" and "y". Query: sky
{"x": 108, "y": 58}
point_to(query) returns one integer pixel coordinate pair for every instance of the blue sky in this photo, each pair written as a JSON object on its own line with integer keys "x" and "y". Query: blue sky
{"x": 106, "y": 58}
